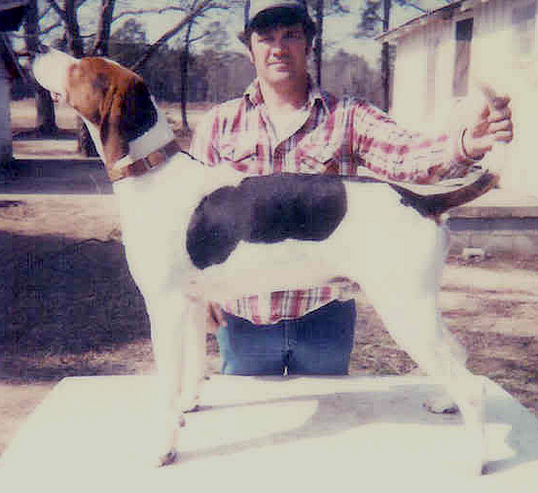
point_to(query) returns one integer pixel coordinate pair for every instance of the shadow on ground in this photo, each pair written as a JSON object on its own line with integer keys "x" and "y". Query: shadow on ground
{"x": 65, "y": 176}
{"x": 64, "y": 303}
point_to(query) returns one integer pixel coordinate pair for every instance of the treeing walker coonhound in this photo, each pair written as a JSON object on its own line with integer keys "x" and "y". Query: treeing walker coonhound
{"x": 195, "y": 234}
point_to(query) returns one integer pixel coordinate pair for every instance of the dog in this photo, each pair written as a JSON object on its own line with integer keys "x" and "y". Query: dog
{"x": 195, "y": 234}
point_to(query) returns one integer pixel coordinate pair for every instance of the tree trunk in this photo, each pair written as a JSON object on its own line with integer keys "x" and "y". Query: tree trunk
{"x": 76, "y": 48}
{"x": 385, "y": 57}
{"x": 318, "y": 47}
{"x": 100, "y": 46}
{"x": 46, "y": 116}
{"x": 72, "y": 30}
{"x": 184, "y": 78}
{"x": 195, "y": 12}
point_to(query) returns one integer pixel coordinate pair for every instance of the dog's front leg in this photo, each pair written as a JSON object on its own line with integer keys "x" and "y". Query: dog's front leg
{"x": 177, "y": 347}
{"x": 165, "y": 314}
{"x": 193, "y": 353}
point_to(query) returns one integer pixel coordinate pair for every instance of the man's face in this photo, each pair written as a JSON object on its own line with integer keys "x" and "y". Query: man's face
{"x": 280, "y": 54}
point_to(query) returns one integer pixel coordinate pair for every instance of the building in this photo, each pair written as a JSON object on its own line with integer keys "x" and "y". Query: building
{"x": 444, "y": 56}
{"x": 441, "y": 54}
{"x": 11, "y": 15}
{"x": 442, "y": 59}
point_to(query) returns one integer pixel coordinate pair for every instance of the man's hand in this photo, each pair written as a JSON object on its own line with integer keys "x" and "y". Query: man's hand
{"x": 492, "y": 124}
{"x": 214, "y": 317}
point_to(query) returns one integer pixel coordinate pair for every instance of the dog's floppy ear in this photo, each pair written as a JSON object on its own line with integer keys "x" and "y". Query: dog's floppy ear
{"x": 138, "y": 113}
{"x": 127, "y": 113}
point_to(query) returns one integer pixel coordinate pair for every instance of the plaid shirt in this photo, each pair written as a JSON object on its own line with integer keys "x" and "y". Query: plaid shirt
{"x": 346, "y": 137}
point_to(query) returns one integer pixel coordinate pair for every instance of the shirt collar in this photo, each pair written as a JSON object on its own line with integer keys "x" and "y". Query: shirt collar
{"x": 254, "y": 96}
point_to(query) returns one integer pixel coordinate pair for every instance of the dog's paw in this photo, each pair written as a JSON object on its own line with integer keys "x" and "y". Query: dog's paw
{"x": 474, "y": 454}
{"x": 441, "y": 405}
{"x": 472, "y": 467}
{"x": 190, "y": 404}
{"x": 474, "y": 449}
{"x": 171, "y": 457}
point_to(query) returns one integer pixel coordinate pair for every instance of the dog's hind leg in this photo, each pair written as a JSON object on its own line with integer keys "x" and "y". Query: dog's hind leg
{"x": 407, "y": 305}
{"x": 399, "y": 266}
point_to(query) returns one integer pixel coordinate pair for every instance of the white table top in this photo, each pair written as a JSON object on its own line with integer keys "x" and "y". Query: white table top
{"x": 268, "y": 434}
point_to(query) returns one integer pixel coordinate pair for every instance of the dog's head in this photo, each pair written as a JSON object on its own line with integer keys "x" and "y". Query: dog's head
{"x": 109, "y": 97}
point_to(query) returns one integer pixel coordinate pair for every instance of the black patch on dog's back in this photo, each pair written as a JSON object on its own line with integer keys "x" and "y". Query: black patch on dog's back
{"x": 214, "y": 228}
{"x": 265, "y": 209}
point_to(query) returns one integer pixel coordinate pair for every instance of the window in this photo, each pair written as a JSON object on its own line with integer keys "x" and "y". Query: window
{"x": 464, "y": 36}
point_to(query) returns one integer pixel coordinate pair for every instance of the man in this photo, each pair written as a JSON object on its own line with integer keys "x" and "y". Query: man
{"x": 283, "y": 123}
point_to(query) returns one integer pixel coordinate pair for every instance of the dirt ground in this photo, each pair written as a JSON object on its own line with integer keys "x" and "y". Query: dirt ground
{"x": 69, "y": 307}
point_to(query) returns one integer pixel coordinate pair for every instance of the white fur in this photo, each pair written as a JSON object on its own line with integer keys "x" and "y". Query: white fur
{"x": 393, "y": 252}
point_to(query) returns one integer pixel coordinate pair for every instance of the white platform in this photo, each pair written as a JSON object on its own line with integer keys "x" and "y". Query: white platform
{"x": 268, "y": 434}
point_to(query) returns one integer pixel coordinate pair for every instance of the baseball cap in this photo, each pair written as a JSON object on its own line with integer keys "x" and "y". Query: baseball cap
{"x": 264, "y": 13}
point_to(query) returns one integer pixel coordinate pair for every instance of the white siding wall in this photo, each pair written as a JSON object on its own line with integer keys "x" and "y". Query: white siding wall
{"x": 503, "y": 52}
{"x": 506, "y": 58}
{"x": 409, "y": 81}
{"x": 493, "y": 43}
{"x": 494, "y": 56}
{"x": 423, "y": 76}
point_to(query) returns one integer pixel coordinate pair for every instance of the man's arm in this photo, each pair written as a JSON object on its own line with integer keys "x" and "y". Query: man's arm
{"x": 393, "y": 153}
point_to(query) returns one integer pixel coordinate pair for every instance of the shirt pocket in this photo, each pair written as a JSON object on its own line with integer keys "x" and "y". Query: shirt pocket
{"x": 241, "y": 153}
{"x": 319, "y": 158}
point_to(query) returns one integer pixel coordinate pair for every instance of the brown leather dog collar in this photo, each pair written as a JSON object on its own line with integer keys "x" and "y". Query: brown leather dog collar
{"x": 145, "y": 164}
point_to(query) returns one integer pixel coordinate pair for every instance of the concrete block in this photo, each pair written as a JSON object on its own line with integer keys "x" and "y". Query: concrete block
{"x": 471, "y": 253}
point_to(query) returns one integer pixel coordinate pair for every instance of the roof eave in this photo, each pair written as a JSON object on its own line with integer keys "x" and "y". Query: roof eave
{"x": 439, "y": 14}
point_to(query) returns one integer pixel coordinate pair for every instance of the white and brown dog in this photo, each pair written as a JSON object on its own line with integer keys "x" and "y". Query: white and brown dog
{"x": 195, "y": 234}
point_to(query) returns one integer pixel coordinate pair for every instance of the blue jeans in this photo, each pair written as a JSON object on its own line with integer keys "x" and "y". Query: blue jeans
{"x": 319, "y": 343}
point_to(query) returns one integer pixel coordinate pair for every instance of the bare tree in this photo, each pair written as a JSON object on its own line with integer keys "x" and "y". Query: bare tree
{"x": 318, "y": 47}
{"x": 46, "y": 117}
{"x": 69, "y": 17}
{"x": 102, "y": 36}
{"x": 385, "y": 56}
{"x": 194, "y": 11}
{"x": 75, "y": 45}
{"x": 376, "y": 13}
{"x": 320, "y": 9}
{"x": 184, "y": 75}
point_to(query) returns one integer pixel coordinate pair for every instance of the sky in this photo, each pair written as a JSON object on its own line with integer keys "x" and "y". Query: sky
{"x": 338, "y": 31}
